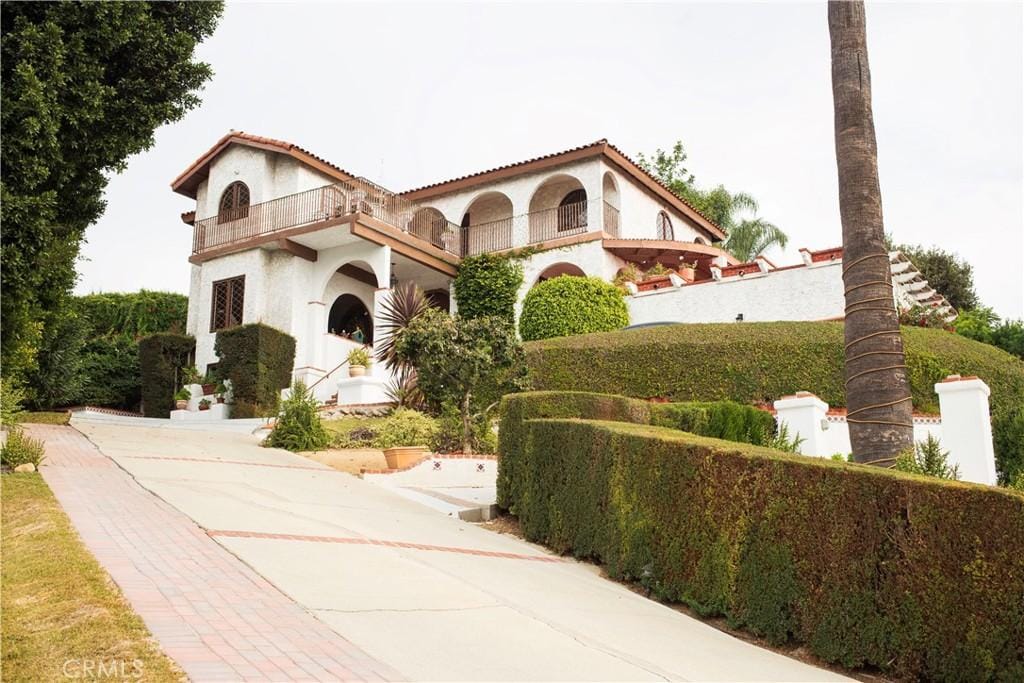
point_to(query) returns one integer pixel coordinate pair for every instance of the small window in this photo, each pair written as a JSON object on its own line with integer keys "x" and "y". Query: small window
{"x": 234, "y": 203}
{"x": 664, "y": 225}
{"x": 227, "y": 304}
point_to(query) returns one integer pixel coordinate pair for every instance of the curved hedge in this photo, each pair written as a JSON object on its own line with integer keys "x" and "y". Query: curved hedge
{"x": 568, "y": 305}
{"x": 760, "y": 362}
{"x": 864, "y": 566}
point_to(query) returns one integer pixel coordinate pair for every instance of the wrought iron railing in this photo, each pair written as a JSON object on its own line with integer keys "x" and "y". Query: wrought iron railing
{"x": 341, "y": 199}
{"x": 611, "y": 220}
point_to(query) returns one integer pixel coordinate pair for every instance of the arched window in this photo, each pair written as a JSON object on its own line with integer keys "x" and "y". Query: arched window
{"x": 572, "y": 211}
{"x": 234, "y": 203}
{"x": 664, "y": 225}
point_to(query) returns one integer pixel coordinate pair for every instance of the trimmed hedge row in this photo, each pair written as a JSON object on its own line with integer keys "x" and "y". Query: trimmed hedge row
{"x": 258, "y": 359}
{"x": 760, "y": 362}
{"x": 161, "y": 359}
{"x": 719, "y": 419}
{"x": 920, "y": 577}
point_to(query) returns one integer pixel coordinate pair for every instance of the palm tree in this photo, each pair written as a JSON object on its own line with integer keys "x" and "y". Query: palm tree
{"x": 747, "y": 237}
{"x": 877, "y": 387}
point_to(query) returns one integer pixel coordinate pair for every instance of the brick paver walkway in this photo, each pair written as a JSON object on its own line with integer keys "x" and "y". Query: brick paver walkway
{"x": 210, "y": 612}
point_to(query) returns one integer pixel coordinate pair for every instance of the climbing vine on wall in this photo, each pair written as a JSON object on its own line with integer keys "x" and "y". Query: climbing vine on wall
{"x": 488, "y": 285}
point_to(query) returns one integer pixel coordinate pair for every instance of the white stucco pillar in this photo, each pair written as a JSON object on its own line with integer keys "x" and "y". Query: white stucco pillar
{"x": 967, "y": 427}
{"x": 805, "y": 415}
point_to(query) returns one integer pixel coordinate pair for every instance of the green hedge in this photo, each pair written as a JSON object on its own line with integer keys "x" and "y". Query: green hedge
{"x": 568, "y": 305}
{"x": 161, "y": 358}
{"x": 487, "y": 284}
{"x": 920, "y": 577}
{"x": 720, "y": 419}
{"x": 258, "y": 359}
{"x": 516, "y": 408}
{"x": 760, "y": 362}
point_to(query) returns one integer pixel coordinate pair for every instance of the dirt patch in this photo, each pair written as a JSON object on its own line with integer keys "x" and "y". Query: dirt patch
{"x": 351, "y": 460}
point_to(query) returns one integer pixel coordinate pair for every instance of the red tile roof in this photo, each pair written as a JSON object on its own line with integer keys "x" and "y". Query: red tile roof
{"x": 188, "y": 181}
{"x": 601, "y": 146}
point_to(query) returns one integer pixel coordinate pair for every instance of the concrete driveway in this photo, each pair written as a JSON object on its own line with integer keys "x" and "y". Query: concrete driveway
{"x": 430, "y": 596}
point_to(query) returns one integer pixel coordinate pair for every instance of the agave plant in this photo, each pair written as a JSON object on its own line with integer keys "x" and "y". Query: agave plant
{"x": 405, "y": 303}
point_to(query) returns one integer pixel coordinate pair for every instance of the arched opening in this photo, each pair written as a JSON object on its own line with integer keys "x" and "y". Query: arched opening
{"x": 699, "y": 240}
{"x": 430, "y": 224}
{"x": 439, "y": 298}
{"x": 610, "y": 192}
{"x": 558, "y": 208}
{"x": 488, "y": 223}
{"x": 234, "y": 202}
{"x": 349, "y": 318}
{"x": 663, "y": 225}
{"x": 559, "y": 269}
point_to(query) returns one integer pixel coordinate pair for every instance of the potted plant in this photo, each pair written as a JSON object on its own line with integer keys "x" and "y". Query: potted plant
{"x": 204, "y": 404}
{"x": 358, "y": 361}
{"x": 181, "y": 399}
{"x": 209, "y": 383}
{"x": 219, "y": 391}
{"x": 190, "y": 375}
{"x": 688, "y": 271}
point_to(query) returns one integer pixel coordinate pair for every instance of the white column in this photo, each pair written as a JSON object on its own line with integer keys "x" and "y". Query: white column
{"x": 967, "y": 427}
{"x": 805, "y": 415}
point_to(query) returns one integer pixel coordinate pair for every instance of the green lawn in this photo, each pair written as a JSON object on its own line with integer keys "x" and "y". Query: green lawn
{"x": 60, "y": 608}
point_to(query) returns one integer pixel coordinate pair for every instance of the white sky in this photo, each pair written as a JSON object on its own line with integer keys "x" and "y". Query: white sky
{"x": 412, "y": 94}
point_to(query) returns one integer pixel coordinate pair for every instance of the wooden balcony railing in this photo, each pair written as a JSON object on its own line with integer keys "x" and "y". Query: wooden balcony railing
{"x": 336, "y": 201}
{"x": 611, "y": 220}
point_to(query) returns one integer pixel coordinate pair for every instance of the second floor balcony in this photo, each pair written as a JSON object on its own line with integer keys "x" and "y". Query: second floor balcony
{"x": 253, "y": 224}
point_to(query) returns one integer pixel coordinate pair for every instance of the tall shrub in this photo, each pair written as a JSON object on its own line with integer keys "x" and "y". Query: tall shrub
{"x": 258, "y": 359}
{"x": 568, "y": 305}
{"x": 917, "y": 576}
{"x": 488, "y": 285}
{"x": 161, "y": 359}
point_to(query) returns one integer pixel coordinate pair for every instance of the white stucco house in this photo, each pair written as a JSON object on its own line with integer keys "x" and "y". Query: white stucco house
{"x": 283, "y": 237}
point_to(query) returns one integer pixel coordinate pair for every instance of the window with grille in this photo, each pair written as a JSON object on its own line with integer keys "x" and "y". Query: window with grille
{"x": 664, "y": 225}
{"x": 234, "y": 203}
{"x": 228, "y": 300}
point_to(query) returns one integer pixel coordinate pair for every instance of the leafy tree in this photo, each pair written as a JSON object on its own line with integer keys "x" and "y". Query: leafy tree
{"x": 465, "y": 362}
{"x": 982, "y": 324}
{"x": 84, "y": 87}
{"x": 877, "y": 381}
{"x": 748, "y": 235}
{"x": 947, "y": 273}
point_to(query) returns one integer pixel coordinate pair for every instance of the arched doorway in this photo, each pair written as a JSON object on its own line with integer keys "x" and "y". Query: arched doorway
{"x": 439, "y": 298}
{"x": 559, "y": 269}
{"x": 349, "y": 318}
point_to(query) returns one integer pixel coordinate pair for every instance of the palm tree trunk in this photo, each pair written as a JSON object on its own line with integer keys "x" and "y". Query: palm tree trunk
{"x": 877, "y": 389}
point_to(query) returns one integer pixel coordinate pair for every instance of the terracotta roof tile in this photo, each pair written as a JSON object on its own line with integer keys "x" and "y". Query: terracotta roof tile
{"x": 238, "y": 136}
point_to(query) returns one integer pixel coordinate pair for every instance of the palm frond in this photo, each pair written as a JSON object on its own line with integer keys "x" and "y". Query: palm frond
{"x": 403, "y": 304}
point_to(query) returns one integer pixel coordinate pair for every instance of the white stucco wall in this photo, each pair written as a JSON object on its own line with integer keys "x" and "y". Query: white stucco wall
{"x": 638, "y": 211}
{"x": 268, "y": 175}
{"x": 805, "y": 293}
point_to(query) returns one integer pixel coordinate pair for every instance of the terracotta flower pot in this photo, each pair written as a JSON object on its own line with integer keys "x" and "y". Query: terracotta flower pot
{"x": 404, "y": 456}
{"x": 220, "y": 399}
{"x": 209, "y": 389}
{"x": 356, "y": 370}
{"x": 687, "y": 274}
{"x": 203, "y": 406}
{"x": 181, "y": 405}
